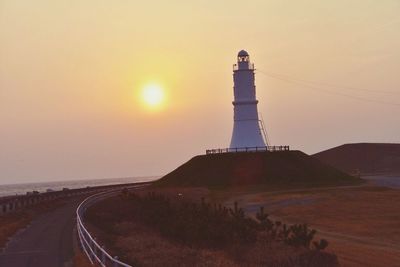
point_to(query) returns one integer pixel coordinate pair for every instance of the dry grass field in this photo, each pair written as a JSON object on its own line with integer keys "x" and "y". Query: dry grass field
{"x": 362, "y": 223}
{"x": 140, "y": 244}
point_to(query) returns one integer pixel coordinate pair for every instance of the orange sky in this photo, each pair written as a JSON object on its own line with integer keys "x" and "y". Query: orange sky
{"x": 70, "y": 73}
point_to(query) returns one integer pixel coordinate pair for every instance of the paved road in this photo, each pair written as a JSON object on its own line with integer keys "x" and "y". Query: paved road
{"x": 47, "y": 242}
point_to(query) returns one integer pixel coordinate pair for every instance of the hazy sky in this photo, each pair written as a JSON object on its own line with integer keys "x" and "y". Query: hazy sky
{"x": 70, "y": 73}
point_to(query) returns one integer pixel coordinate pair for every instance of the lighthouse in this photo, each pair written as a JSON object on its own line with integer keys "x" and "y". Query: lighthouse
{"x": 247, "y": 132}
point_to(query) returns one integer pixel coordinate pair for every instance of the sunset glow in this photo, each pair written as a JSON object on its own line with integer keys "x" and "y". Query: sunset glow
{"x": 91, "y": 73}
{"x": 153, "y": 95}
{"x": 177, "y": 122}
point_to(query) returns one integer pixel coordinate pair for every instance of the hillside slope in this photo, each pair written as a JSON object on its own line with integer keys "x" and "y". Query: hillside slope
{"x": 367, "y": 158}
{"x": 283, "y": 168}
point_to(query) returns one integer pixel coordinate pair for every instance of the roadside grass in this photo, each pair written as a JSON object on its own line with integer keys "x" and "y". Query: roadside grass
{"x": 80, "y": 260}
{"x": 13, "y": 222}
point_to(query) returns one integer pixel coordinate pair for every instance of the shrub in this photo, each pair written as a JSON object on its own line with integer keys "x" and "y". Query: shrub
{"x": 209, "y": 225}
{"x": 321, "y": 245}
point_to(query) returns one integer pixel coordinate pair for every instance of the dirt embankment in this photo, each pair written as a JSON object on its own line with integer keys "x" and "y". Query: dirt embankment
{"x": 363, "y": 158}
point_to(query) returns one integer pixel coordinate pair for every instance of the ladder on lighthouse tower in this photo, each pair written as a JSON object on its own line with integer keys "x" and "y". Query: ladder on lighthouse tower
{"x": 264, "y": 132}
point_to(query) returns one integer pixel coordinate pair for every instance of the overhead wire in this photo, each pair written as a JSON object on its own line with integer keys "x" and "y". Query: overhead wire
{"x": 316, "y": 86}
{"x": 328, "y": 84}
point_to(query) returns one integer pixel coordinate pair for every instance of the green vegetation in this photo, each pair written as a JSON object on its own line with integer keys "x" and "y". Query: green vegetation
{"x": 214, "y": 225}
{"x": 278, "y": 169}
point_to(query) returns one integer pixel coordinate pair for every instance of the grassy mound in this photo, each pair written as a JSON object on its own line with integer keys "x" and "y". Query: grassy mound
{"x": 283, "y": 168}
{"x": 366, "y": 158}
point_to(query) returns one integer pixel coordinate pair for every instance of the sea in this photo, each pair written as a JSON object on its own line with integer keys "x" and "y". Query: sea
{"x": 386, "y": 181}
{"x": 21, "y": 189}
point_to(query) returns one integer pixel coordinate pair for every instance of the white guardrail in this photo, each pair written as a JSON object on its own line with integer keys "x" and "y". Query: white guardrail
{"x": 96, "y": 253}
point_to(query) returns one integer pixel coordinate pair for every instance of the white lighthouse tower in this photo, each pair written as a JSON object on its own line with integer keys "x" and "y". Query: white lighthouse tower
{"x": 246, "y": 128}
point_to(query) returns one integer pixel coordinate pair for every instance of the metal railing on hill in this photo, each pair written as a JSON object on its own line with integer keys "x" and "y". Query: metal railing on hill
{"x": 248, "y": 149}
{"x": 93, "y": 250}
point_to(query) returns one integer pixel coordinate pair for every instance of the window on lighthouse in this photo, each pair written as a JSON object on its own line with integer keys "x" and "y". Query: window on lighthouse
{"x": 243, "y": 58}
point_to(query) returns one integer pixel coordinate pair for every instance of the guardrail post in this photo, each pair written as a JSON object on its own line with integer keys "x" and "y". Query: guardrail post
{"x": 91, "y": 248}
{"x": 94, "y": 248}
{"x": 103, "y": 255}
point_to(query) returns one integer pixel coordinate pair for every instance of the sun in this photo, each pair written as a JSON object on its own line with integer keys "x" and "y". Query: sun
{"x": 153, "y": 95}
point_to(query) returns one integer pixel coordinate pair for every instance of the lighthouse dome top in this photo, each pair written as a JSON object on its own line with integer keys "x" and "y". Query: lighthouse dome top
{"x": 243, "y": 53}
{"x": 243, "y": 57}
{"x": 243, "y": 61}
